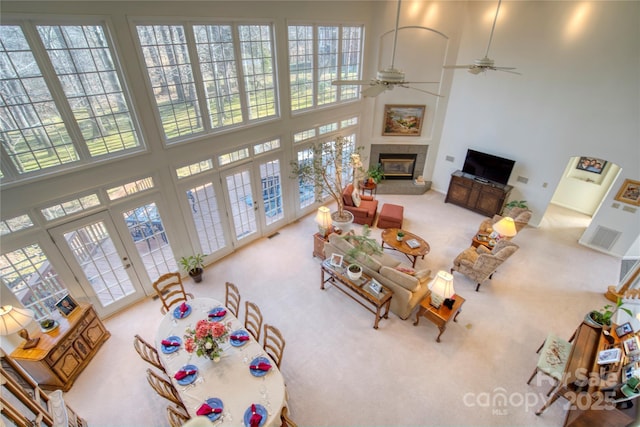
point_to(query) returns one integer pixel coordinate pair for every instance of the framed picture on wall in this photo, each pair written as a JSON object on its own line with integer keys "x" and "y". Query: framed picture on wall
{"x": 403, "y": 120}
{"x": 629, "y": 192}
{"x": 591, "y": 164}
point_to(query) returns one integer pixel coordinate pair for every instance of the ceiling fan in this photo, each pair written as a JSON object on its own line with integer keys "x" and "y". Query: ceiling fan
{"x": 486, "y": 63}
{"x": 388, "y": 78}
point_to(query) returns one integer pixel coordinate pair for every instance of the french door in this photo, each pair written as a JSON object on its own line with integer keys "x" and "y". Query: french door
{"x": 94, "y": 252}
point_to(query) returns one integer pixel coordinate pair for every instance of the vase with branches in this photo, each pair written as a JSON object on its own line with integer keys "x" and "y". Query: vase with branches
{"x": 334, "y": 165}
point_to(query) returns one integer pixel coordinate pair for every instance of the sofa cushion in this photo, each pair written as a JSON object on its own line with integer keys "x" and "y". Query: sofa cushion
{"x": 340, "y": 243}
{"x": 369, "y": 262}
{"x": 410, "y": 283}
{"x": 387, "y": 260}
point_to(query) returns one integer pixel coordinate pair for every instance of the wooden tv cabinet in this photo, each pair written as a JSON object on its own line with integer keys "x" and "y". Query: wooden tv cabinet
{"x": 487, "y": 198}
{"x": 63, "y": 353}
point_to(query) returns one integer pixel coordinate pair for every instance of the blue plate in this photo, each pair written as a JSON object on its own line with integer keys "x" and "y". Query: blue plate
{"x": 258, "y": 372}
{"x": 238, "y": 343}
{"x": 168, "y": 349}
{"x": 176, "y": 312}
{"x": 214, "y": 402}
{"x": 213, "y": 314}
{"x": 189, "y": 378}
{"x": 259, "y": 410}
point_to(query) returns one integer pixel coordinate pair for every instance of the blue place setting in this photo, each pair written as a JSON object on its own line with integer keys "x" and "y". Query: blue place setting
{"x": 217, "y": 313}
{"x": 239, "y": 342}
{"x": 178, "y": 314}
{"x": 167, "y": 345}
{"x": 188, "y": 379}
{"x": 213, "y": 403}
{"x": 258, "y": 363}
{"x": 259, "y": 410}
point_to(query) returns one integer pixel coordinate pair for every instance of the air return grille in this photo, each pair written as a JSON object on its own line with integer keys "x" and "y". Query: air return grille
{"x": 604, "y": 238}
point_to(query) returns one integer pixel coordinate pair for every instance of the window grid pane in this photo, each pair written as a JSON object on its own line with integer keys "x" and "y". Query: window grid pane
{"x": 34, "y": 282}
{"x": 219, "y": 75}
{"x": 71, "y": 206}
{"x": 130, "y": 188}
{"x": 258, "y": 69}
{"x": 206, "y": 216}
{"x": 194, "y": 169}
{"x": 271, "y": 191}
{"x": 164, "y": 48}
{"x": 350, "y": 66}
{"x": 17, "y": 223}
{"x": 306, "y": 188}
{"x": 327, "y": 64}
{"x": 31, "y": 128}
{"x": 234, "y": 156}
{"x": 81, "y": 58}
{"x": 266, "y": 146}
{"x": 301, "y": 61}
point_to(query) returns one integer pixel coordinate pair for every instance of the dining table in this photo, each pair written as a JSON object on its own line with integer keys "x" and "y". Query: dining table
{"x": 233, "y": 383}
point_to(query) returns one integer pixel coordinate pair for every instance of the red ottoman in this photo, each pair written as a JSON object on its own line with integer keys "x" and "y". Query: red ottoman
{"x": 390, "y": 216}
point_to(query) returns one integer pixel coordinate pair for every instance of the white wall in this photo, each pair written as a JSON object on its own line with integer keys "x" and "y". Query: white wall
{"x": 579, "y": 93}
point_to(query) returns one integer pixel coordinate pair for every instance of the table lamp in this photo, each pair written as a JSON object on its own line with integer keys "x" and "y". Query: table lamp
{"x": 13, "y": 319}
{"x": 442, "y": 289}
{"x": 323, "y": 218}
{"x": 506, "y": 227}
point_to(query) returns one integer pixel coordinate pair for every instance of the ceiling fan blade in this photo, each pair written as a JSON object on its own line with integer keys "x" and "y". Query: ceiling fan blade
{"x": 416, "y": 83}
{"x": 458, "y": 66}
{"x": 374, "y": 90}
{"x": 507, "y": 70}
{"x": 352, "y": 82}
{"x": 422, "y": 90}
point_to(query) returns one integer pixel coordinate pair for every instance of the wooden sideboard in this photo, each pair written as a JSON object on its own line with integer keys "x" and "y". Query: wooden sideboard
{"x": 487, "y": 198}
{"x": 63, "y": 353}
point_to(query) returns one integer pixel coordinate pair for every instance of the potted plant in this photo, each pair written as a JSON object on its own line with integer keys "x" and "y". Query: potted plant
{"x": 602, "y": 317}
{"x": 193, "y": 265}
{"x": 517, "y": 204}
{"x": 329, "y": 172}
{"x": 400, "y": 235}
{"x": 376, "y": 173}
{"x": 363, "y": 246}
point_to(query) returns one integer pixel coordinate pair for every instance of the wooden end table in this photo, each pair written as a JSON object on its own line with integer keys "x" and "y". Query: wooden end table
{"x": 439, "y": 316}
{"x": 358, "y": 290}
{"x": 483, "y": 240}
{"x": 389, "y": 237}
{"x": 371, "y": 187}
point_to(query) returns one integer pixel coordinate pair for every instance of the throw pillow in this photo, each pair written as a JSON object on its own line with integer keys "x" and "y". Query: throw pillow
{"x": 355, "y": 196}
{"x": 409, "y": 271}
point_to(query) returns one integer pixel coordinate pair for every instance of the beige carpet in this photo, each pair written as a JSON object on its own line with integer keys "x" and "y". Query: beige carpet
{"x": 341, "y": 372}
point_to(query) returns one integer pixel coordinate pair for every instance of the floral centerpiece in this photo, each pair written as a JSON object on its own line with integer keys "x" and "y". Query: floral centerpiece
{"x": 206, "y": 339}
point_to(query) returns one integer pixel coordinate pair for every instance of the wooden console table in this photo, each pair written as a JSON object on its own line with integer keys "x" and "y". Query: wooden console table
{"x": 439, "y": 316}
{"x": 483, "y": 197}
{"x": 357, "y": 290}
{"x": 63, "y": 353}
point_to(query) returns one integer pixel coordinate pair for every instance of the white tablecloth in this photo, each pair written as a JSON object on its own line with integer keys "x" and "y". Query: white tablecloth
{"x": 229, "y": 379}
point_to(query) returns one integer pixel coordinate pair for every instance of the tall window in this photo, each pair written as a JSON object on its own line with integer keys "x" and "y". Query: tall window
{"x": 319, "y": 55}
{"x": 40, "y": 130}
{"x": 230, "y": 82}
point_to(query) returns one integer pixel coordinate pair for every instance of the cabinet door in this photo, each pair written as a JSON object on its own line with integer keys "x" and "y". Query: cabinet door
{"x": 458, "y": 193}
{"x": 94, "y": 333}
{"x": 490, "y": 203}
{"x": 67, "y": 364}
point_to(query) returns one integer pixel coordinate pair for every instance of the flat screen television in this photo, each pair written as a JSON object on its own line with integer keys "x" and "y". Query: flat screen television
{"x": 488, "y": 167}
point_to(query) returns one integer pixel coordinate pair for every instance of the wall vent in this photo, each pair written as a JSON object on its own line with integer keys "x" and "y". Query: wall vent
{"x": 604, "y": 238}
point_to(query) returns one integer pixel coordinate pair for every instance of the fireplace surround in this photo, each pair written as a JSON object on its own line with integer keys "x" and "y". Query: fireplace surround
{"x": 403, "y": 163}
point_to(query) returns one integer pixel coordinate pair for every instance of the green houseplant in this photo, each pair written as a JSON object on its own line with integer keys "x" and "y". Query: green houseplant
{"x": 376, "y": 173}
{"x": 603, "y": 316}
{"x": 193, "y": 265}
{"x": 363, "y": 246}
{"x": 517, "y": 204}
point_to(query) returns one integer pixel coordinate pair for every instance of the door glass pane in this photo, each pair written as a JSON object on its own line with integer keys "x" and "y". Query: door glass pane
{"x": 147, "y": 232}
{"x": 271, "y": 191}
{"x": 96, "y": 254}
{"x": 241, "y": 198}
{"x": 34, "y": 282}
{"x": 206, "y": 217}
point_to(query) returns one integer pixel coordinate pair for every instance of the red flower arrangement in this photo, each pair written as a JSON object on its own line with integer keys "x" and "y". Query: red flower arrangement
{"x": 206, "y": 339}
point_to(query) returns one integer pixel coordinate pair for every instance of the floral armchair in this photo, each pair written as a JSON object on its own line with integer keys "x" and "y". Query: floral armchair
{"x": 480, "y": 263}
{"x": 521, "y": 217}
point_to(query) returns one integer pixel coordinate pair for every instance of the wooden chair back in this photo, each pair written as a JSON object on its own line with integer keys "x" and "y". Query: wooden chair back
{"x": 273, "y": 343}
{"x": 285, "y": 420}
{"x": 232, "y": 298}
{"x": 164, "y": 388}
{"x": 253, "y": 320}
{"x": 147, "y": 352}
{"x": 170, "y": 290}
{"x": 176, "y": 416}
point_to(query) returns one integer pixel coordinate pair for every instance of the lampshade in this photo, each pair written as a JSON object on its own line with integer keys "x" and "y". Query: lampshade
{"x": 323, "y": 219}
{"x": 441, "y": 288}
{"x": 13, "y": 319}
{"x": 505, "y": 227}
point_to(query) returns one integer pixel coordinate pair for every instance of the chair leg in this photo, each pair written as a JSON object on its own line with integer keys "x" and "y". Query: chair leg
{"x": 478, "y": 287}
{"x": 535, "y": 371}
{"x": 553, "y": 387}
{"x": 540, "y": 348}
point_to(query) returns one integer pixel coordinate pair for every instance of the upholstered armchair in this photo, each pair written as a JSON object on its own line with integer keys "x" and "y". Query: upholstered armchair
{"x": 521, "y": 217}
{"x": 364, "y": 211}
{"x": 480, "y": 263}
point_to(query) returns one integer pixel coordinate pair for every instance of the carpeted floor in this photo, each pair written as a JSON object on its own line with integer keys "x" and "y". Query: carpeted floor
{"x": 341, "y": 372}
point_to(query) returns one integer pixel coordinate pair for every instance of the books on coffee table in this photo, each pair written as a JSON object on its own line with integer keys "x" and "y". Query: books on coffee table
{"x": 413, "y": 243}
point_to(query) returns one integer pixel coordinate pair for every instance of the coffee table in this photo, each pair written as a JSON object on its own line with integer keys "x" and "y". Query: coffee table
{"x": 358, "y": 290}
{"x": 389, "y": 238}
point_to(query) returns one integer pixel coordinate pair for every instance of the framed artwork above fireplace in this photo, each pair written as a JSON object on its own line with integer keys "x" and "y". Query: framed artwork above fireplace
{"x": 403, "y": 120}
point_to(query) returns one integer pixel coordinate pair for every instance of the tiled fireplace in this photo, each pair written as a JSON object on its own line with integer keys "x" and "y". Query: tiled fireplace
{"x": 402, "y": 164}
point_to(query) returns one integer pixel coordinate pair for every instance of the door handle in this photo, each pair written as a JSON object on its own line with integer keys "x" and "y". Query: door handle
{"x": 127, "y": 266}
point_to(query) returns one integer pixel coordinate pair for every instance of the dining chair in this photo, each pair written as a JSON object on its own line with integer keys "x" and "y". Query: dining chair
{"x": 170, "y": 290}
{"x": 147, "y": 352}
{"x": 232, "y": 298}
{"x": 164, "y": 388}
{"x": 554, "y": 354}
{"x": 285, "y": 421}
{"x": 176, "y": 416}
{"x": 273, "y": 343}
{"x": 253, "y": 319}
